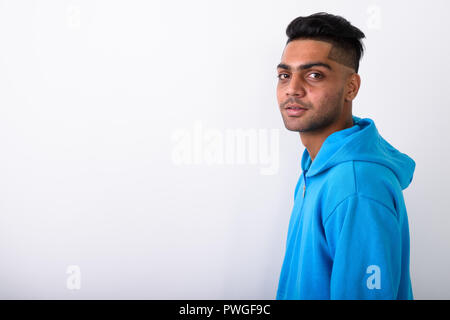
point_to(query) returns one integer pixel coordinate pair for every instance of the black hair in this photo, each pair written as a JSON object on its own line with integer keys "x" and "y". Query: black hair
{"x": 323, "y": 26}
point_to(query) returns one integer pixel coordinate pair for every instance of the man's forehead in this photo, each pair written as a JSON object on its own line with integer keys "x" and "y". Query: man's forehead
{"x": 307, "y": 48}
{"x": 299, "y": 50}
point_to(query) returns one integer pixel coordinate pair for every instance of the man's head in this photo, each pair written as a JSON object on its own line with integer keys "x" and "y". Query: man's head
{"x": 318, "y": 72}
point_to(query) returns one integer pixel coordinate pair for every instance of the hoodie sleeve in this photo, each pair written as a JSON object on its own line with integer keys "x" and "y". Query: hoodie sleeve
{"x": 364, "y": 240}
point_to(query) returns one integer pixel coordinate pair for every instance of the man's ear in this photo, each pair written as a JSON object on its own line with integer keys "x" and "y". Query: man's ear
{"x": 352, "y": 88}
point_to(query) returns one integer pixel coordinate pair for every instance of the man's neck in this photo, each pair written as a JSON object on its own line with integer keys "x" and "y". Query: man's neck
{"x": 313, "y": 140}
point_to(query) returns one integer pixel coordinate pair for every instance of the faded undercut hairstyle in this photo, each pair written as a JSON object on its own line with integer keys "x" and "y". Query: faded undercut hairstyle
{"x": 345, "y": 38}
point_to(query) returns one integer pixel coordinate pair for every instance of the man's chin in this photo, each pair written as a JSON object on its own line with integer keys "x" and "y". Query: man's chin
{"x": 294, "y": 127}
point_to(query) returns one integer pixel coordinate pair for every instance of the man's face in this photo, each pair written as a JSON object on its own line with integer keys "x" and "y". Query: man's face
{"x": 309, "y": 78}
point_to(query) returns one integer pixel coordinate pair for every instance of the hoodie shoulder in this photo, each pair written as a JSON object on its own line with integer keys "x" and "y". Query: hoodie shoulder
{"x": 378, "y": 182}
{"x": 369, "y": 179}
{"x": 359, "y": 161}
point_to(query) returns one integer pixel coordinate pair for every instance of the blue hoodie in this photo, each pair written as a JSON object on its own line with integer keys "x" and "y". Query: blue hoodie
{"x": 348, "y": 235}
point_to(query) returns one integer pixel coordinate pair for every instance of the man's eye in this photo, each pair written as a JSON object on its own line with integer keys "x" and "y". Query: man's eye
{"x": 317, "y": 75}
{"x": 280, "y": 76}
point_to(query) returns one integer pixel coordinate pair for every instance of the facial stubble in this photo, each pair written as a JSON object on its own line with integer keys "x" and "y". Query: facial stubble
{"x": 317, "y": 119}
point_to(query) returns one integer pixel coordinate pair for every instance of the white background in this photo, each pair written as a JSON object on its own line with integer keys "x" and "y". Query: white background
{"x": 91, "y": 93}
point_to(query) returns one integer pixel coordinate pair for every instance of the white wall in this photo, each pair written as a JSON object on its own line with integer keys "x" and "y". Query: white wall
{"x": 104, "y": 103}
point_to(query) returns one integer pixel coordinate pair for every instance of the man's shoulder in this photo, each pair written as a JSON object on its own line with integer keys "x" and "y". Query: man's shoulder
{"x": 359, "y": 176}
{"x": 367, "y": 179}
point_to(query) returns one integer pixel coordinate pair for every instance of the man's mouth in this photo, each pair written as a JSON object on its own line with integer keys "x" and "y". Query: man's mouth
{"x": 295, "y": 110}
{"x": 294, "y": 107}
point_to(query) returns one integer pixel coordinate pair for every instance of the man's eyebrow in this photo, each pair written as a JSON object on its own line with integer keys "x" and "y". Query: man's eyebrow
{"x": 304, "y": 66}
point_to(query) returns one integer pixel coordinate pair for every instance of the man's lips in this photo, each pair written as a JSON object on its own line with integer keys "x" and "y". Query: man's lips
{"x": 295, "y": 110}
{"x": 295, "y": 107}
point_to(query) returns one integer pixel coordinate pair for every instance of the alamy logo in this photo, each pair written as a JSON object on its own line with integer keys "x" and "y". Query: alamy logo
{"x": 74, "y": 280}
{"x": 374, "y": 18}
{"x": 374, "y": 280}
{"x": 73, "y": 17}
{"x": 231, "y": 147}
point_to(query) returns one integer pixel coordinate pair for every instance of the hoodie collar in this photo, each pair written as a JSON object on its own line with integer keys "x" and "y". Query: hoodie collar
{"x": 360, "y": 142}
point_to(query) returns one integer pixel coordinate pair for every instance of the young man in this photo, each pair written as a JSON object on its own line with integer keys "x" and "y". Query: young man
{"x": 348, "y": 235}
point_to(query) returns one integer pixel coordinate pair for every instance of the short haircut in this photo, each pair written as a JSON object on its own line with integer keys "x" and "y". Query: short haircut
{"x": 346, "y": 39}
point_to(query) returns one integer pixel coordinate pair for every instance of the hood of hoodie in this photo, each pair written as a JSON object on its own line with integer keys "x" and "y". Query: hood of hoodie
{"x": 361, "y": 142}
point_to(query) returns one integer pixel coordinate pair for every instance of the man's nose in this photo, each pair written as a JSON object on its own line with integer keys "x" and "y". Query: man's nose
{"x": 296, "y": 86}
